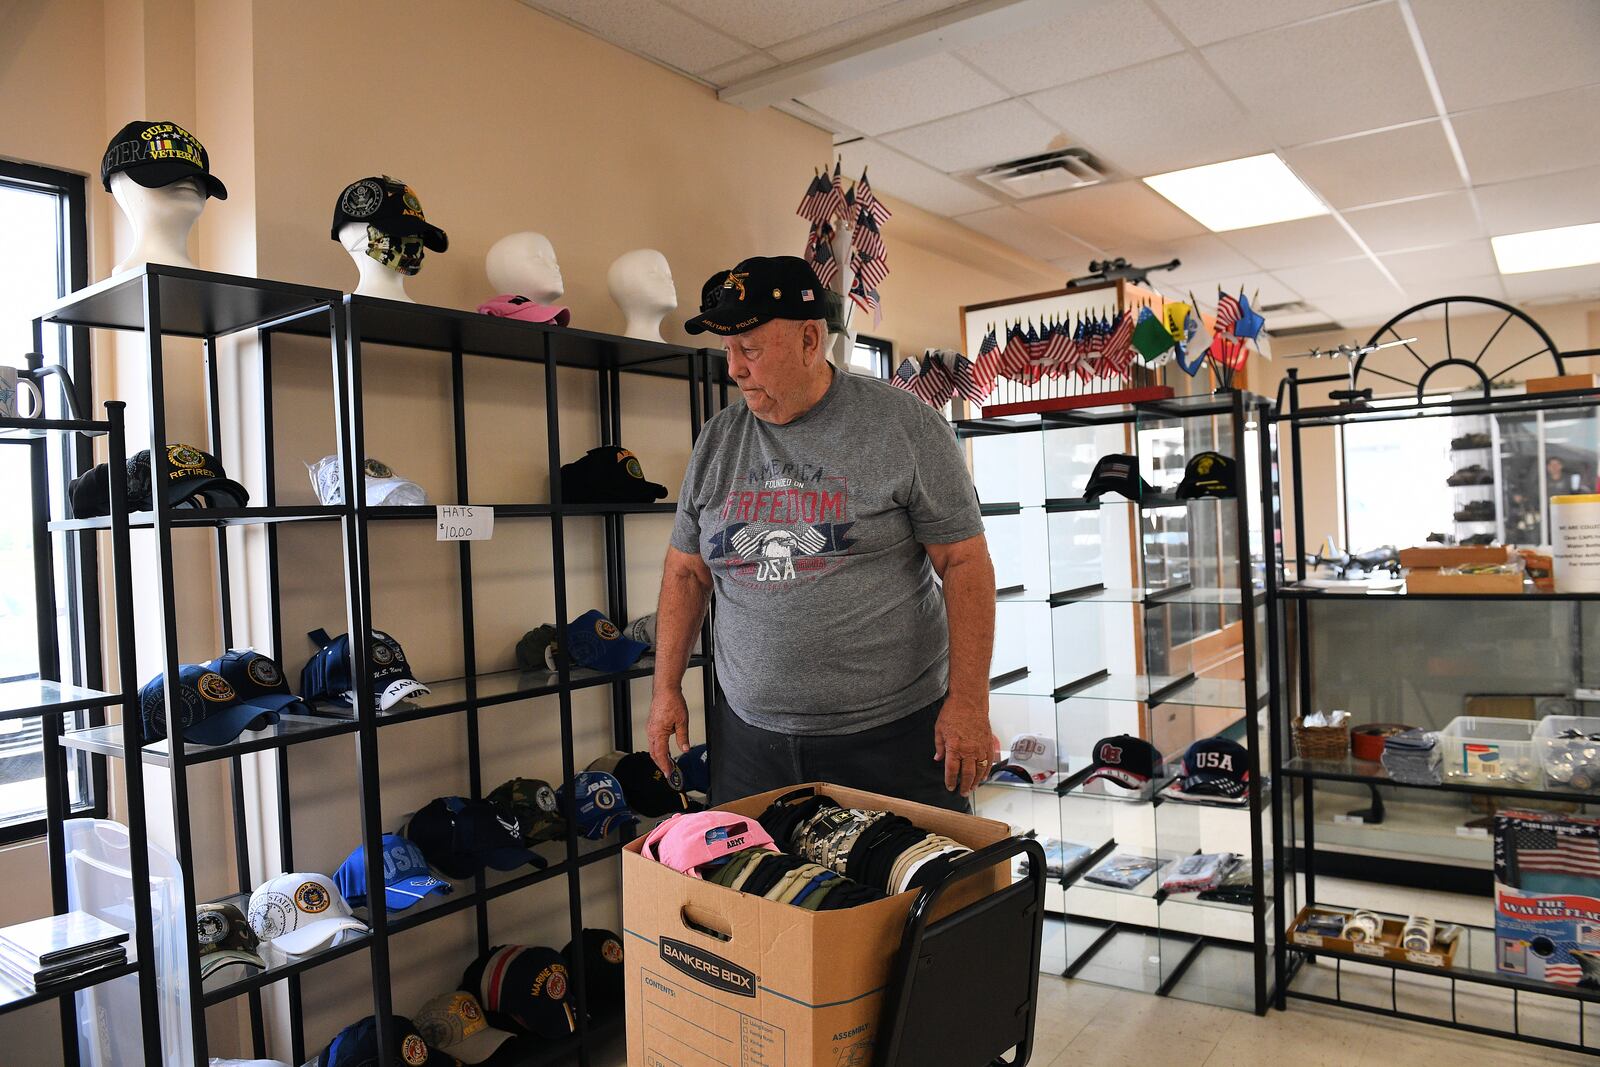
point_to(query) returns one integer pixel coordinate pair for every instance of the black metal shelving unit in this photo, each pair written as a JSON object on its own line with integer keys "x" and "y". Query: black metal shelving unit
{"x": 53, "y": 701}
{"x": 163, "y": 301}
{"x": 1303, "y": 971}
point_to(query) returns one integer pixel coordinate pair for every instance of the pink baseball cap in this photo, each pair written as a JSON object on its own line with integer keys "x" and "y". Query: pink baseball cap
{"x": 509, "y": 306}
{"x": 690, "y": 840}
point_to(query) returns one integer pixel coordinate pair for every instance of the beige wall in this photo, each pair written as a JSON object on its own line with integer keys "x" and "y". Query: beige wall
{"x": 503, "y": 120}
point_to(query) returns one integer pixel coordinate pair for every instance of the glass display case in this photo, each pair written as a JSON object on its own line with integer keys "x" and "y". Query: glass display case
{"x": 1125, "y": 625}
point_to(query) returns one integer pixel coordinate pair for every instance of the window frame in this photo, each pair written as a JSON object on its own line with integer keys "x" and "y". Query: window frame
{"x": 882, "y": 348}
{"x": 77, "y": 557}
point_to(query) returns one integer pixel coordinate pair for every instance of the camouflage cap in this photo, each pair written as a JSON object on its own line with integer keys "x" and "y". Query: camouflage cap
{"x": 532, "y": 802}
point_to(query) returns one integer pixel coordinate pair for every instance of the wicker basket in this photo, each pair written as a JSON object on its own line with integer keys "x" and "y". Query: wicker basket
{"x": 1321, "y": 742}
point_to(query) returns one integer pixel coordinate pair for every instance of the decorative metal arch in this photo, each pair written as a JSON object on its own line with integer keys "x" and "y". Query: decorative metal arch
{"x": 1475, "y": 364}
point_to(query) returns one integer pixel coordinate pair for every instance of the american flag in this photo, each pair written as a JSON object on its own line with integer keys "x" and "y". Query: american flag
{"x": 833, "y": 203}
{"x": 905, "y": 375}
{"x": 1540, "y": 849}
{"x": 868, "y": 238}
{"x": 1057, "y": 349}
{"x": 873, "y": 269}
{"x": 1035, "y": 345}
{"x": 987, "y": 366}
{"x": 869, "y": 203}
{"x": 966, "y": 377}
{"x": 822, "y": 259}
{"x": 1118, "y": 356}
{"x": 1227, "y": 312}
{"x": 1014, "y": 358}
{"x": 1563, "y": 973}
{"x": 811, "y": 205}
{"x": 935, "y": 385}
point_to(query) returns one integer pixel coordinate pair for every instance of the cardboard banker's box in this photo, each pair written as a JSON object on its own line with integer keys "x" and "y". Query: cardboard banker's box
{"x": 774, "y": 985}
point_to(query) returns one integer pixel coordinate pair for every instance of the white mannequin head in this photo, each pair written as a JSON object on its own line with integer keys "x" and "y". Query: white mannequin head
{"x": 641, "y": 284}
{"x": 161, "y": 219}
{"x": 524, "y": 264}
{"x": 376, "y": 279}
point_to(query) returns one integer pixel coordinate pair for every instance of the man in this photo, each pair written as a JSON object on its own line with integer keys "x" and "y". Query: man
{"x": 820, "y": 511}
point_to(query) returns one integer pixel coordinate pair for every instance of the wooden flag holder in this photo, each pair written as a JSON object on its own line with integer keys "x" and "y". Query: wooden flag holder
{"x": 1109, "y": 398}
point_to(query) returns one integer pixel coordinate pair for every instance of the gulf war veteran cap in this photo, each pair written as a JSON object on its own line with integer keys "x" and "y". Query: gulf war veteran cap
{"x": 157, "y": 154}
{"x": 757, "y": 291}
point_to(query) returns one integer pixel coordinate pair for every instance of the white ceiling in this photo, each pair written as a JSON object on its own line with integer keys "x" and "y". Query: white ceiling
{"x": 1427, "y": 126}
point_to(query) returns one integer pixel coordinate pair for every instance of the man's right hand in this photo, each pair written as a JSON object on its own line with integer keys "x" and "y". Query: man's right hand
{"x": 669, "y": 716}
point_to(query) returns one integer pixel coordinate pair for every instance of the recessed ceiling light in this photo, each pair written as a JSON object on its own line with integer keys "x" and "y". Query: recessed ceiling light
{"x": 1564, "y": 246}
{"x": 1253, "y": 191}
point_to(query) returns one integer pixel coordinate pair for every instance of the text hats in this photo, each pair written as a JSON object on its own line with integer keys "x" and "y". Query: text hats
{"x": 603, "y": 977}
{"x": 1125, "y": 760}
{"x": 1117, "y": 473}
{"x": 598, "y": 804}
{"x": 1215, "y": 766}
{"x": 208, "y": 709}
{"x": 511, "y": 306}
{"x": 225, "y": 937}
{"x": 609, "y": 474}
{"x": 390, "y": 206}
{"x": 690, "y": 841}
{"x": 1209, "y": 474}
{"x": 525, "y": 987}
{"x": 357, "y": 1046}
{"x": 454, "y": 1023}
{"x": 257, "y": 679}
{"x": 300, "y": 912}
{"x": 381, "y": 485}
{"x": 695, "y": 766}
{"x": 1032, "y": 758}
{"x": 594, "y": 641}
{"x": 406, "y": 878}
{"x": 327, "y": 674}
{"x": 646, "y": 789}
{"x": 156, "y": 154}
{"x": 461, "y": 837}
{"x": 532, "y": 803}
{"x": 759, "y": 290}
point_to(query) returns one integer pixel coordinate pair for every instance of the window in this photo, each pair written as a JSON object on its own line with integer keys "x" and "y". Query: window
{"x": 872, "y": 356}
{"x": 41, "y": 259}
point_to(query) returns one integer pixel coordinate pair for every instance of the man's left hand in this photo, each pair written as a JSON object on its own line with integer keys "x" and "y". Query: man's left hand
{"x": 962, "y": 739}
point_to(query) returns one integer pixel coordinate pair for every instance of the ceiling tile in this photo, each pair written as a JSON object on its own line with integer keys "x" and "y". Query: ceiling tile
{"x": 766, "y": 22}
{"x": 1201, "y": 259}
{"x": 1143, "y": 132}
{"x": 1573, "y": 283}
{"x": 848, "y": 32}
{"x": 1366, "y": 306}
{"x": 650, "y": 29}
{"x": 993, "y": 134}
{"x": 1488, "y": 51}
{"x": 909, "y": 180}
{"x": 1208, "y": 21}
{"x": 1115, "y": 216}
{"x": 907, "y": 95}
{"x": 738, "y": 70}
{"x": 1331, "y": 279}
{"x": 1448, "y": 263}
{"x": 1096, "y": 36}
{"x": 1351, "y": 72}
{"x": 1027, "y": 234}
{"x": 1542, "y": 203}
{"x": 1294, "y": 244}
{"x": 1473, "y": 285}
{"x": 1530, "y": 137}
{"x": 1434, "y": 220}
{"x": 1390, "y": 165}
{"x": 1262, "y": 289}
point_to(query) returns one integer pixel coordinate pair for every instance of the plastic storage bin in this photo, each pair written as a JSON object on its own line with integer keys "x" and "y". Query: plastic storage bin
{"x": 1489, "y": 750}
{"x": 1569, "y": 762}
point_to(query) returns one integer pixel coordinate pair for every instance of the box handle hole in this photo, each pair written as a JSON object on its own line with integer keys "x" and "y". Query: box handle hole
{"x": 709, "y": 925}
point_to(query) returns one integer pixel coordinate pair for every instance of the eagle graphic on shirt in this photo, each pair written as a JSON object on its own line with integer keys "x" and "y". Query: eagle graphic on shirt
{"x": 783, "y": 522}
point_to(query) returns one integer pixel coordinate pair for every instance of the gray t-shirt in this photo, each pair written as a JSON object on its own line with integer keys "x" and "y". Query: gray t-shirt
{"x": 830, "y": 619}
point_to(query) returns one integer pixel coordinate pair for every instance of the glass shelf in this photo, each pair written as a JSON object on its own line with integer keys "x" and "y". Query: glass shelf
{"x": 1368, "y": 772}
{"x": 1185, "y": 689}
{"x": 1361, "y": 592}
{"x": 40, "y": 696}
{"x": 14, "y": 995}
{"x": 138, "y": 520}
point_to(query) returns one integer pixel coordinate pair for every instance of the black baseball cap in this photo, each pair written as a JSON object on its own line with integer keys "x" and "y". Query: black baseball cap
{"x": 389, "y": 205}
{"x": 258, "y": 680}
{"x": 1209, "y": 474}
{"x": 759, "y": 290}
{"x": 646, "y": 789}
{"x": 603, "y": 975}
{"x": 1215, "y": 766}
{"x": 156, "y": 154}
{"x": 190, "y": 478}
{"x": 1117, "y": 473}
{"x": 609, "y": 474}
{"x": 357, "y": 1046}
{"x": 461, "y": 837}
{"x": 523, "y": 988}
{"x": 1125, "y": 760}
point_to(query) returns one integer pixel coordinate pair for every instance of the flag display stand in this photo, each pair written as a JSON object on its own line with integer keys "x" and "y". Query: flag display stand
{"x": 1142, "y": 395}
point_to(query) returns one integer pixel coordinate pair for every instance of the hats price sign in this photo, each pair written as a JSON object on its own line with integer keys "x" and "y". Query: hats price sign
{"x": 464, "y": 522}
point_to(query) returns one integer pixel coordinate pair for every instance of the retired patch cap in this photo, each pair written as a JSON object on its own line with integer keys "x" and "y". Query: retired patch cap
{"x": 757, "y": 291}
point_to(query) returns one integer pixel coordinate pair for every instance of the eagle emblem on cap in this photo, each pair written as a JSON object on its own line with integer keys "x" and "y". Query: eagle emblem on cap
{"x": 382, "y": 655}
{"x": 361, "y": 200}
{"x": 1204, "y": 464}
{"x": 311, "y": 898}
{"x": 185, "y": 456}
{"x": 377, "y": 469}
{"x": 263, "y": 671}
{"x": 215, "y": 688}
{"x": 210, "y": 927}
{"x": 736, "y": 281}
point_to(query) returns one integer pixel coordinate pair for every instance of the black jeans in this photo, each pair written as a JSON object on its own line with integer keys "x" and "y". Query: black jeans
{"x": 895, "y": 759}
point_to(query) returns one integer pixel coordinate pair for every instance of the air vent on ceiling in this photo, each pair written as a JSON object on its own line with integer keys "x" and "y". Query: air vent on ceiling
{"x": 1053, "y": 172}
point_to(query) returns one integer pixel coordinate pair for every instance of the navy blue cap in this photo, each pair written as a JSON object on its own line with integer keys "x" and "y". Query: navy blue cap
{"x": 1215, "y": 766}
{"x": 258, "y": 680}
{"x": 594, "y": 641}
{"x": 357, "y": 1046}
{"x": 461, "y": 837}
{"x": 597, "y": 804}
{"x": 406, "y": 877}
{"x": 327, "y": 676}
{"x": 695, "y": 766}
{"x": 208, "y": 709}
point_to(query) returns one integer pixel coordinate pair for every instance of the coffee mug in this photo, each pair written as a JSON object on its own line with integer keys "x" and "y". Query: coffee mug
{"x": 11, "y": 381}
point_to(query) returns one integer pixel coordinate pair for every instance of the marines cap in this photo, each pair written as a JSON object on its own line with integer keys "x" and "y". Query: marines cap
{"x": 757, "y": 291}
{"x": 524, "y": 988}
{"x": 157, "y": 154}
{"x": 1209, "y": 474}
{"x": 225, "y": 938}
{"x": 1125, "y": 760}
{"x": 389, "y": 206}
{"x": 301, "y": 912}
{"x": 454, "y": 1023}
{"x": 609, "y": 474}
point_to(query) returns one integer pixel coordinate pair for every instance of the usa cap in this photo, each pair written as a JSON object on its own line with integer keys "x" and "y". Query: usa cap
{"x": 454, "y": 1023}
{"x": 757, "y": 291}
{"x": 357, "y": 1046}
{"x": 604, "y": 978}
{"x": 594, "y": 641}
{"x": 597, "y": 805}
{"x": 1125, "y": 760}
{"x": 208, "y": 709}
{"x": 406, "y": 878}
{"x": 1215, "y": 766}
{"x": 1209, "y": 474}
{"x": 258, "y": 680}
{"x": 389, "y": 206}
{"x": 301, "y": 912}
{"x": 609, "y": 474}
{"x": 461, "y": 837}
{"x": 524, "y": 988}
{"x": 532, "y": 803}
{"x": 225, "y": 938}
{"x": 1117, "y": 473}
{"x": 157, "y": 154}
